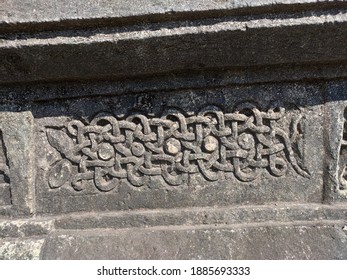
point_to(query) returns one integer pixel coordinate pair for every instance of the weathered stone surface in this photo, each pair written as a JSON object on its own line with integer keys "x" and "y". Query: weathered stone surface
{"x": 21, "y": 249}
{"x": 119, "y": 158}
{"x": 275, "y": 241}
{"x": 202, "y": 216}
{"x": 17, "y": 161}
{"x": 336, "y": 119}
{"x": 173, "y": 129}
{"x": 204, "y": 229}
{"x": 25, "y": 228}
{"x": 150, "y": 49}
{"x": 42, "y": 12}
{"x": 286, "y": 231}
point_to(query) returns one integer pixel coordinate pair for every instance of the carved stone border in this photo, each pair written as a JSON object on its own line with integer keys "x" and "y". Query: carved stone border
{"x": 210, "y": 143}
{"x": 17, "y": 138}
{"x": 336, "y": 148}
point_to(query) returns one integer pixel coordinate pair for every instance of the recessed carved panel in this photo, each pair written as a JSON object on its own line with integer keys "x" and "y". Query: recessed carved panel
{"x": 181, "y": 149}
{"x": 248, "y": 143}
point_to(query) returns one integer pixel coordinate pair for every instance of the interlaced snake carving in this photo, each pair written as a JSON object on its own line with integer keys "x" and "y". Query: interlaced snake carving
{"x": 109, "y": 150}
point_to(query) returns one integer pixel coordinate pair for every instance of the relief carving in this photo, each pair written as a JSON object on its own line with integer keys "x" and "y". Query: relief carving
{"x": 4, "y": 169}
{"x": 343, "y": 156}
{"x": 5, "y": 192}
{"x": 108, "y": 150}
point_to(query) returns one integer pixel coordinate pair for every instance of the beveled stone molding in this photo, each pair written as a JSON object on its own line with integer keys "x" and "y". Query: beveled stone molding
{"x": 240, "y": 42}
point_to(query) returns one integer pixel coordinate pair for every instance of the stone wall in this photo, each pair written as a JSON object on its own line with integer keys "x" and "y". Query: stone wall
{"x": 173, "y": 129}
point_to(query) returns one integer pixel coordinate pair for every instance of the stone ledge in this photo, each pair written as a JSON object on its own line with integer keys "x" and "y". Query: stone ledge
{"x": 156, "y": 50}
{"x": 267, "y": 241}
{"x": 22, "y": 228}
{"x": 280, "y": 232}
{"x": 195, "y": 216}
{"x": 203, "y": 216}
{"x": 41, "y": 15}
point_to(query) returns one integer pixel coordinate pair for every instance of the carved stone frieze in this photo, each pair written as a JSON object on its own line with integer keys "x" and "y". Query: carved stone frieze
{"x": 106, "y": 150}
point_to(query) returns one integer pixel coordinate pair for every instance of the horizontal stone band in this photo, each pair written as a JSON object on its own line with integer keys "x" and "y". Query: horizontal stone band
{"x": 174, "y": 146}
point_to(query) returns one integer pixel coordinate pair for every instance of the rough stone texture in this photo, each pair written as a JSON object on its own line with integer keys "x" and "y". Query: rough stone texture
{"x": 202, "y": 216}
{"x": 25, "y": 228}
{"x": 17, "y": 160}
{"x": 173, "y": 129}
{"x": 154, "y": 50}
{"x": 312, "y": 231}
{"x": 40, "y": 12}
{"x": 337, "y": 116}
{"x": 21, "y": 249}
{"x": 275, "y": 241}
